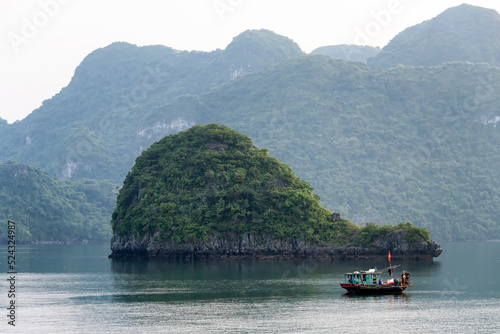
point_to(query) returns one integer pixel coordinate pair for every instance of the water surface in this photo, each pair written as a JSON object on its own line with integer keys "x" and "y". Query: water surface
{"x": 77, "y": 289}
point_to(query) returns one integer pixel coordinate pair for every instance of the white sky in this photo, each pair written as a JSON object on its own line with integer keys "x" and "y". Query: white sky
{"x": 43, "y": 41}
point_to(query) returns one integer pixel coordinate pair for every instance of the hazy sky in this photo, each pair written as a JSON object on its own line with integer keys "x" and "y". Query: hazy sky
{"x": 43, "y": 41}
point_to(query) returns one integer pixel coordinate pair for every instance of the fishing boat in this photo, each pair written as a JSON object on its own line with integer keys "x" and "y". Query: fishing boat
{"x": 370, "y": 282}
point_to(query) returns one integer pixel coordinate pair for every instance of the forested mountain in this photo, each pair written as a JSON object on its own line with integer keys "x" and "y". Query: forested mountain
{"x": 347, "y": 52}
{"x": 406, "y": 144}
{"x": 89, "y": 129}
{"x": 417, "y": 144}
{"x": 46, "y": 209}
{"x": 462, "y": 33}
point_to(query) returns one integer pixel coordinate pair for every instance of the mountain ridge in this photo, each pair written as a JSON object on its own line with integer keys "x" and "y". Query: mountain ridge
{"x": 386, "y": 145}
{"x": 112, "y": 88}
{"x": 461, "y": 33}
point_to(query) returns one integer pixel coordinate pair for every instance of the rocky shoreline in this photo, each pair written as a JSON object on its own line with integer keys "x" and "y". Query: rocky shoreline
{"x": 251, "y": 246}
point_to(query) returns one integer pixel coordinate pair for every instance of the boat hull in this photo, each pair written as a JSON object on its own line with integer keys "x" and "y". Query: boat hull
{"x": 358, "y": 289}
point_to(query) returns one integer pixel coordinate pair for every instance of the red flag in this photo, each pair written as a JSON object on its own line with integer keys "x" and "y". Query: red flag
{"x": 389, "y": 257}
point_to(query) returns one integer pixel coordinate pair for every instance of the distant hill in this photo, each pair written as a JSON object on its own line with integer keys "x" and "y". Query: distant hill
{"x": 90, "y": 128}
{"x": 46, "y": 209}
{"x": 347, "y": 52}
{"x": 254, "y": 50}
{"x": 462, "y": 33}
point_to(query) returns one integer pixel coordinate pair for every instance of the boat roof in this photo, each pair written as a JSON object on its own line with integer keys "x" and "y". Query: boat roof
{"x": 363, "y": 272}
{"x": 372, "y": 271}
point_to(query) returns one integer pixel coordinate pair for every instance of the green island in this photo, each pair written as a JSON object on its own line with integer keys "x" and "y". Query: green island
{"x": 209, "y": 192}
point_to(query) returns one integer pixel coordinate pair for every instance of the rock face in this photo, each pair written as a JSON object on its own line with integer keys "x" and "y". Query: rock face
{"x": 231, "y": 246}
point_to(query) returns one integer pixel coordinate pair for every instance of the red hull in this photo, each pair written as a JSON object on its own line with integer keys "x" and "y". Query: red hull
{"x": 359, "y": 289}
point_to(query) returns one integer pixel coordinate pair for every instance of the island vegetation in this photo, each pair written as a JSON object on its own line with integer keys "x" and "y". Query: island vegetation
{"x": 211, "y": 180}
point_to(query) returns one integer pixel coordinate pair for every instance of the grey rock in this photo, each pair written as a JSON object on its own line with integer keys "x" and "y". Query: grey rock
{"x": 249, "y": 245}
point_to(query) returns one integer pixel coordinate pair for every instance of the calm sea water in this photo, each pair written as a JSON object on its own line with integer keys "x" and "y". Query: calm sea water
{"x": 77, "y": 289}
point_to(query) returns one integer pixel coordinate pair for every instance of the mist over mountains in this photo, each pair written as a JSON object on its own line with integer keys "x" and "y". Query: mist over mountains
{"x": 409, "y": 135}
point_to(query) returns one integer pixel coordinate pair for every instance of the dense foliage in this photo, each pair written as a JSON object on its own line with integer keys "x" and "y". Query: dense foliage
{"x": 46, "y": 209}
{"x": 212, "y": 179}
{"x": 372, "y": 232}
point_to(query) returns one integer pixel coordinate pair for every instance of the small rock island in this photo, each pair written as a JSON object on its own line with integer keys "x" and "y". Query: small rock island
{"x": 208, "y": 192}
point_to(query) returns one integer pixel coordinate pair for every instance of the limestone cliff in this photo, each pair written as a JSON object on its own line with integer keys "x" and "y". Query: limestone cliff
{"x": 231, "y": 246}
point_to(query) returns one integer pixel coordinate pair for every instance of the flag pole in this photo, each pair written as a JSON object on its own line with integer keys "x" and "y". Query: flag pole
{"x": 390, "y": 263}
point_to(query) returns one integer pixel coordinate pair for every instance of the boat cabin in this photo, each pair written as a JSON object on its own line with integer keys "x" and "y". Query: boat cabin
{"x": 370, "y": 277}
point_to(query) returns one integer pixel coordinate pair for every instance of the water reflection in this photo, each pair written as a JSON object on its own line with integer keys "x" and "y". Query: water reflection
{"x": 218, "y": 268}
{"x": 161, "y": 280}
{"x": 404, "y": 297}
{"x": 174, "y": 280}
